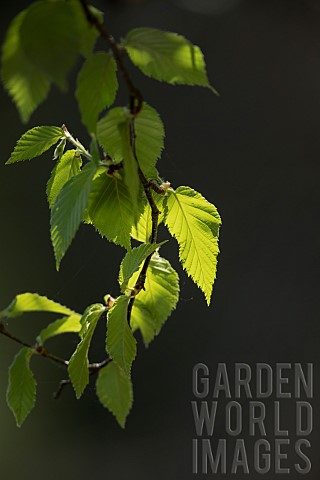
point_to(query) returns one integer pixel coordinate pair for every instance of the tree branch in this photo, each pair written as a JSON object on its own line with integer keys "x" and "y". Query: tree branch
{"x": 134, "y": 94}
{"x": 136, "y": 100}
{"x": 93, "y": 368}
{"x": 37, "y": 348}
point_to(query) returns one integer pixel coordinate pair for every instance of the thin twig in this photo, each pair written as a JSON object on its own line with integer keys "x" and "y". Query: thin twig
{"x": 136, "y": 101}
{"x": 134, "y": 94}
{"x": 93, "y": 368}
{"x": 37, "y": 349}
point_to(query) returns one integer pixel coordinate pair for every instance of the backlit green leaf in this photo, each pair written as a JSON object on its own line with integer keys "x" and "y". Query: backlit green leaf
{"x": 133, "y": 260}
{"x": 194, "y": 222}
{"x": 109, "y": 132}
{"x": 87, "y": 33}
{"x": 110, "y": 209}
{"x": 68, "y": 210}
{"x": 142, "y": 229}
{"x": 70, "y": 324}
{"x": 32, "y": 302}
{"x": 121, "y": 344}
{"x": 50, "y": 38}
{"x": 27, "y": 85}
{"x": 114, "y": 391}
{"x": 67, "y": 167}
{"x": 149, "y": 139}
{"x": 131, "y": 175}
{"x": 96, "y": 87}
{"x": 78, "y": 365}
{"x": 167, "y": 56}
{"x": 34, "y": 142}
{"x": 21, "y": 393}
{"x": 149, "y": 133}
{"x": 153, "y": 305}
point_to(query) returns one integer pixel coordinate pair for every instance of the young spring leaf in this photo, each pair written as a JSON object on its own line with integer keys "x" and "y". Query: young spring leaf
{"x": 194, "y": 222}
{"x": 114, "y": 391}
{"x": 34, "y": 142}
{"x": 109, "y": 134}
{"x": 32, "y": 302}
{"x": 153, "y": 305}
{"x": 68, "y": 210}
{"x": 167, "y": 56}
{"x": 21, "y": 393}
{"x": 150, "y": 139}
{"x": 96, "y": 87}
{"x": 67, "y": 167}
{"x": 110, "y": 209}
{"x": 70, "y": 324}
{"x": 87, "y": 33}
{"x": 26, "y": 84}
{"x": 78, "y": 365}
{"x": 121, "y": 344}
{"x": 142, "y": 229}
{"x": 149, "y": 133}
{"x": 50, "y": 38}
{"x": 133, "y": 260}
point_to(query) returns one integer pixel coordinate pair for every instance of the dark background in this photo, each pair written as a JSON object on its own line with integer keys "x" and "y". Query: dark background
{"x": 254, "y": 152}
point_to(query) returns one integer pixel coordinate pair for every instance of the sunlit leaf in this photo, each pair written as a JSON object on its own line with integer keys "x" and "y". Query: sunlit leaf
{"x": 27, "y": 85}
{"x": 34, "y": 142}
{"x": 149, "y": 133}
{"x": 32, "y": 302}
{"x": 133, "y": 260}
{"x": 50, "y": 38}
{"x": 110, "y": 209}
{"x": 70, "y": 324}
{"x": 114, "y": 391}
{"x": 153, "y": 305}
{"x": 142, "y": 229}
{"x": 68, "y": 210}
{"x": 121, "y": 344}
{"x": 96, "y": 87}
{"x": 167, "y": 56}
{"x": 21, "y": 393}
{"x": 194, "y": 222}
{"x": 67, "y": 167}
{"x": 78, "y": 365}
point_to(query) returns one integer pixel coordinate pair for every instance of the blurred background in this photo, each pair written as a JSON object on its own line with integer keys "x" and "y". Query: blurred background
{"x": 255, "y": 153}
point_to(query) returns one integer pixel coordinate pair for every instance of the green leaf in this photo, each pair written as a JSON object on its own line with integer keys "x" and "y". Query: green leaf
{"x": 114, "y": 391}
{"x": 32, "y": 302}
{"x": 68, "y": 210}
{"x": 167, "y": 56}
{"x": 96, "y": 87}
{"x": 94, "y": 151}
{"x": 121, "y": 344}
{"x": 21, "y": 393}
{"x": 59, "y": 150}
{"x": 78, "y": 364}
{"x": 70, "y": 324}
{"x": 51, "y": 39}
{"x": 133, "y": 260}
{"x": 110, "y": 209}
{"x": 153, "y": 305}
{"x": 195, "y": 223}
{"x": 34, "y": 142}
{"x": 27, "y": 85}
{"x": 131, "y": 176}
{"x": 142, "y": 229}
{"x": 87, "y": 33}
{"x": 149, "y": 139}
{"x": 109, "y": 132}
{"x": 67, "y": 167}
{"x": 149, "y": 132}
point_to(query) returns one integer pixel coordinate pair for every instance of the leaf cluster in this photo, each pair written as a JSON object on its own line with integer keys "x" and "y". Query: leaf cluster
{"x": 113, "y": 185}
